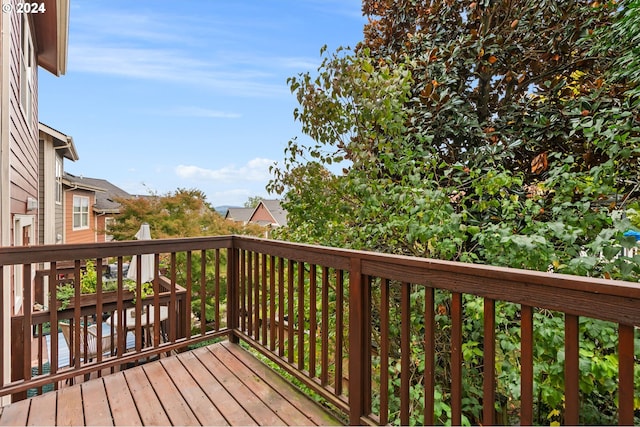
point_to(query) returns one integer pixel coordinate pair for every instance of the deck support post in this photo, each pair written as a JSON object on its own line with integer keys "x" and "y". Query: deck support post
{"x": 232, "y": 292}
{"x": 18, "y": 355}
{"x": 357, "y": 356}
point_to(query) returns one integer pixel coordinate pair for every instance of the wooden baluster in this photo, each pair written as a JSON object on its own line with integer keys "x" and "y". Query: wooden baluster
{"x": 526, "y": 361}
{"x": 384, "y": 352}
{"x": 272, "y": 304}
{"x": 290, "y": 312}
{"x": 281, "y": 307}
{"x": 313, "y": 320}
{"x": 405, "y": 351}
{"x": 301, "y": 316}
{"x": 626, "y": 374}
{"x": 366, "y": 344}
{"x": 232, "y": 293}
{"x": 264, "y": 299}
{"x": 242, "y": 285}
{"x": 340, "y": 331}
{"x": 489, "y": 354}
{"x": 249, "y": 312}
{"x": 430, "y": 356}
{"x": 456, "y": 358}
{"x": 324, "y": 373}
{"x": 217, "y": 291}
{"x": 571, "y": 370}
{"x": 256, "y": 297}
{"x": 356, "y": 356}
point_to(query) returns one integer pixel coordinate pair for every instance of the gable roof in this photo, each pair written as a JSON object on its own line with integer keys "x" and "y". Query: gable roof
{"x": 239, "y": 214}
{"x": 275, "y": 209}
{"x": 106, "y": 192}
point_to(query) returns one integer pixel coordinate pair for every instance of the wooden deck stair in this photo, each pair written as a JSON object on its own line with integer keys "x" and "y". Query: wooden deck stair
{"x": 221, "y": 384}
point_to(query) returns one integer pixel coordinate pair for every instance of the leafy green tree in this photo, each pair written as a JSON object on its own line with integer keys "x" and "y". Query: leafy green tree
{"x": 182, "y": 213}
{"x": 496, "y": 132}
{"x": 487, "y": 132}
{"x": 252, "y": 202}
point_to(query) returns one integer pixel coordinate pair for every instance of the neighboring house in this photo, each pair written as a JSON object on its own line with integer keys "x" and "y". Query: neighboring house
{"x": 54, "y": 148}
{"x": 90, "y": 206}
{"x": 239, "y": 215}
{"x": 26, "y": 42}
{"x": 269, "y": 213}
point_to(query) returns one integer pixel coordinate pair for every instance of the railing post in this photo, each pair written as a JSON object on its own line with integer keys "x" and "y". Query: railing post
{"x": 18, "y": 355}
{"x": 232, "y": 292}
{"x": 357, "y": 354}
{"x": 3, "y": 346}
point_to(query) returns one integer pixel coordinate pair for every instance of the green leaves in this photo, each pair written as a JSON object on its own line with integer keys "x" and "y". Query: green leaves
{"x": 503, "y": 133}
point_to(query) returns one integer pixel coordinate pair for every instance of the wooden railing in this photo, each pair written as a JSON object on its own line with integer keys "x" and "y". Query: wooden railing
{"x": 123, "y": 337}
{"x": 359, "y": 329}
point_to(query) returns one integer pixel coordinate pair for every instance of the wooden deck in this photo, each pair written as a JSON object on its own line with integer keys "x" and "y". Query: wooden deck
{"x": 221, "y": 384}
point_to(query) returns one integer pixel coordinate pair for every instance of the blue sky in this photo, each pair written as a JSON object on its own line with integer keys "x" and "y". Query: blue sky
{"x": 161, "y": 94}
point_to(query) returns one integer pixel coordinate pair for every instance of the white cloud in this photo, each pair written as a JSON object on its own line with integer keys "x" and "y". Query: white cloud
{"x": 167, "y": 65}
{"x": 254, "y": 170}
{"x": 169, "y": 49}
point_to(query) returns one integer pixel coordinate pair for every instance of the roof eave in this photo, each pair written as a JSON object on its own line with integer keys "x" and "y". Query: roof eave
{"x": 74, "y": 184}
{"x": 52, "y": 36}
{"x": 106, "y": 211}
{"x": 63, "y": 143}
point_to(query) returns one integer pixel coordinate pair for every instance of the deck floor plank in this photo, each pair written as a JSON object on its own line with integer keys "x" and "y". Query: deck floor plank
{"x": 316, "y": 413}
{"x": 247, "y": 399}
{"x": 96, "y": 404}
{"x": 170, "y": 397}
{"x": 221, "y": 384}
{"x": 70, "y": 407}
{"x": 266, "y": 393}
{"x": 124, "y": 411}
{"x": 16, "y": 414}
{"x": 43, "y": 410}
{"x": 202, "y": 407}
{"x": 148, "y": 404}
{"x": 224, "y": 402}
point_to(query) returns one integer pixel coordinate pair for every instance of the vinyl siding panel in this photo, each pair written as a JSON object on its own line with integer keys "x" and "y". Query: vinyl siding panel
{"x": 59, "y": 215}
{"x": 262, "y": 214}
{"x": 79, "y": 236}
{"x": 100, "y": 225}
{"x": 41, "y": 192}
{"x": 23, "y": 136}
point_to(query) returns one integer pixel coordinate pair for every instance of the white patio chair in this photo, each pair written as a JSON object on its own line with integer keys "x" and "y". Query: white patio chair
{"x": 90, "y": 351}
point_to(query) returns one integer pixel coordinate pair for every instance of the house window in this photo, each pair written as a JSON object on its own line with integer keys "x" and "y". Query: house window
{"x": 26, "y": 71}
{"x": 108, "y": 223}
{"x": 80, "y": 212}
{"x": 58, "y": 180}
{"x": 23, "y": 227}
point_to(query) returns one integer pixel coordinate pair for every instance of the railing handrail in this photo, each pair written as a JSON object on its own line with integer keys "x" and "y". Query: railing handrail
{"x": 617, "y": 299}
{"x": 49, "y": 253}
{"x": 572, "y": 291}
{"x": 10, "y": 255}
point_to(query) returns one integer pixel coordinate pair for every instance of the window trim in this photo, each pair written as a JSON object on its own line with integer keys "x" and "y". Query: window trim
{"x": 108, "y": 222}
{"x": 58, "y": 183}
{"x": 79, "y": 209}
{"x": 27, "y": 59}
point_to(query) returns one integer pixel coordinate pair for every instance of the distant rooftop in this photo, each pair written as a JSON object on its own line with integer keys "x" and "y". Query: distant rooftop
{"x": 239, "y": 214}
{"x": 106, "y": 192}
